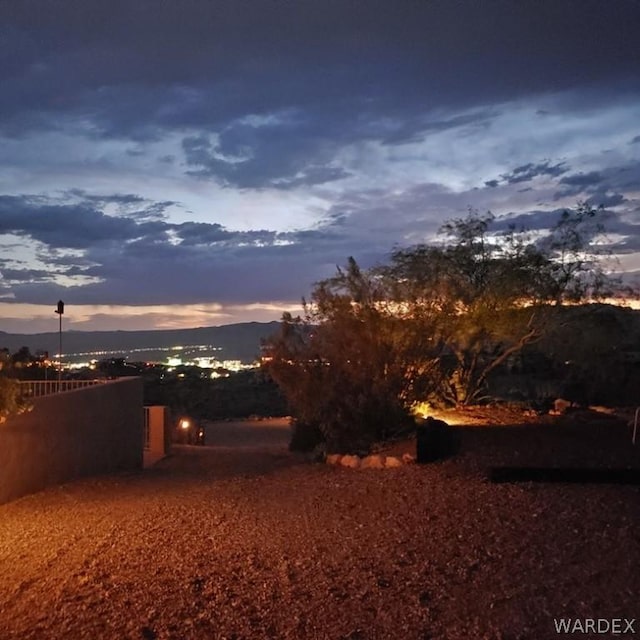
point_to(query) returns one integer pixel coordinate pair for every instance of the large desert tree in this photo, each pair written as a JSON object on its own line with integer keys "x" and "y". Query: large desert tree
{"x": 497, "y": 292}
{"x": 353, "y": 365}
{"x": 433, "y": 323}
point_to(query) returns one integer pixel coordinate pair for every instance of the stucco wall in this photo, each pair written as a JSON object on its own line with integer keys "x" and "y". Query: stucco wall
{"x": 72, "y": 434}
{"x": 158, "y": 439}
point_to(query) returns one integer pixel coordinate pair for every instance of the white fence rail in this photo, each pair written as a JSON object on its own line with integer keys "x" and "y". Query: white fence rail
{"x": 39, "y": 388}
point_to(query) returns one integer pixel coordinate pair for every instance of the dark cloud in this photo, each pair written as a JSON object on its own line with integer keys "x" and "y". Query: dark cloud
{"x": 142, "y": 263}
{"x": 187, "y": 275}
{"x": 416, "y": 128}
{"x": 613, "y": 223}
{"x": 283, "y": 154}
{"x": 83, "y": 224}
{"x": 604, "y": 198}
{"x": 127, "y": 261}
{"x": 311, "y": 175}
{"x": 529, "y": 171}
{"x": 293, "y": 96}
{"x": 125, "y": 199}
{"x": 136, "y": 68}
{"x": 25, "y": 275}
{"x": 582, "y": 179}
{"x": 606, "y": 187}
{"x": 536, "y": 220}
{"x": 201, "y": 233}
{"x": 62, "y": 226}
{"x": 128, "y": 204}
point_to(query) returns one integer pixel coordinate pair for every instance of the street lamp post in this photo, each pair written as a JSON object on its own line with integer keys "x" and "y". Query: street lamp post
{"x": 60, "y": 311}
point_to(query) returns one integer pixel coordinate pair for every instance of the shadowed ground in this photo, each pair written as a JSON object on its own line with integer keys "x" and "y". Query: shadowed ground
{"x": 244, "y": 540}
{"x": 271, "y": 432}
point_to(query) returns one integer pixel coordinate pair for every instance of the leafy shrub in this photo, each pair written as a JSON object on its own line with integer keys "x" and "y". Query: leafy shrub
{"x": 11, "y": 400}
{"x": 305, "y": 436}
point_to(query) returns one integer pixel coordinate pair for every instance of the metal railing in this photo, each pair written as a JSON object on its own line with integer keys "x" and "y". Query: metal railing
{"x": 39, "y": 388}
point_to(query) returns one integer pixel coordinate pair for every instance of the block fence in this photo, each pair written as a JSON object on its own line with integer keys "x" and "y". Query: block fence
{"x": 72, "y": 434}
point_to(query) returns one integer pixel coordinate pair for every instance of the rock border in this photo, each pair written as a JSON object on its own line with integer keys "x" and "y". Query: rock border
{"x": 374, "y": 461}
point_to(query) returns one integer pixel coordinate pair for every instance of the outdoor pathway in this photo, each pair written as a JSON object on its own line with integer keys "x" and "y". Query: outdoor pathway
{"x": 242, "y": 540}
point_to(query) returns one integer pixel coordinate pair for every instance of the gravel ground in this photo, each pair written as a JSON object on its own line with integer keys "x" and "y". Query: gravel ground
{"x": 243, "y": 540}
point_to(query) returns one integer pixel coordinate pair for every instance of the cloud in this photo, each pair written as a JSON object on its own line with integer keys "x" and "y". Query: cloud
{"x": 620, "y": 233}
{"x": 529, "y": 171}
{"x": 136, "y": 262}
{"x": 89, "y": 257}
{"x": 62, "y": 226}
{"x": 28, "y": 275}
{"x": 607, "y": 187}
{"x": 194, "y": 152}
{"x": 582, "y": 179}
{"x": 138, "y": 69}
{"x": 281, "y": 153}
{"x": 125, "y": 204}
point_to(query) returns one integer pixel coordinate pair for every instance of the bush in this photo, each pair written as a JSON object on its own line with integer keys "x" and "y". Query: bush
{"x": 305, "y": 437}
{"x": 11, "y": 400}
{"x": 351, "y": 368}
{"x": 435, "y": 440}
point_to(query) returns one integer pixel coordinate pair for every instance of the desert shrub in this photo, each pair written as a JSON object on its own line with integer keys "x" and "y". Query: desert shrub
{"x": 305, "y": 436}
{"x": 437, "y": 324}
{"x": 11, "y": 400}
{"x": 353, "y": 366}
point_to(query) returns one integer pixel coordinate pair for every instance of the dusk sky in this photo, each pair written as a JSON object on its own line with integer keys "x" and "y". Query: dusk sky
{"x": 188, "y": 163}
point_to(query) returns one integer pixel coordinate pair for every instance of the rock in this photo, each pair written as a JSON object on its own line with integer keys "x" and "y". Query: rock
{"x": 392, "y": 462}
{"x": 372, "y": 462}
{"x": 435, "y": 439}
{"x": 333, "y": 458}
{"x": 407, "y": 458}
{"x": 560, "y": 406}
{"x": 599, "y": 409}
{"x": 353, "y": 462}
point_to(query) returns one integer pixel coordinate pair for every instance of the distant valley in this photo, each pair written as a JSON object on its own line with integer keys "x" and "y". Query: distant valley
{"x": 228, "y": 342}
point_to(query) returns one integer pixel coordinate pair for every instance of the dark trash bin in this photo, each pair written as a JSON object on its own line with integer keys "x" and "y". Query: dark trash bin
{"x": 435, "y": 439}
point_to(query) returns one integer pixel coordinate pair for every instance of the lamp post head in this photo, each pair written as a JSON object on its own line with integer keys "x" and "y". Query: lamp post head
{"x": 60, "y": 308}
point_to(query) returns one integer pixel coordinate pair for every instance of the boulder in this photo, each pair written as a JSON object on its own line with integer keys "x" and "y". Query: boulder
{"x": 560, "y": 406}
{"x": 353, "y": 462}
{"x": 392, "y": 462}
{"x": 407, "y": 458}
{"x": 435, "y": 439}
{"x": 333, "y": 458}
{"x": 373, "y": 462}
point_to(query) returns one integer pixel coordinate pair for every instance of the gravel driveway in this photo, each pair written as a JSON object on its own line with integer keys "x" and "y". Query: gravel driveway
{"x": 243, "y": 540}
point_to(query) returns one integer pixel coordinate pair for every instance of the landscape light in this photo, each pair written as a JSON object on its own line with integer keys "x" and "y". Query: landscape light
{"x": 60, "y": 311}
{"x": 184, "y": 424}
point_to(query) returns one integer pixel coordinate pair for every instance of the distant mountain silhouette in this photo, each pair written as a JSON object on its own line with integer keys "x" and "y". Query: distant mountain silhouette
{"x": 228, "y": 342}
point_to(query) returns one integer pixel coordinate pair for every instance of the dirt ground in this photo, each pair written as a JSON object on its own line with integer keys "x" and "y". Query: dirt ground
{"x": 241, "y": 539}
